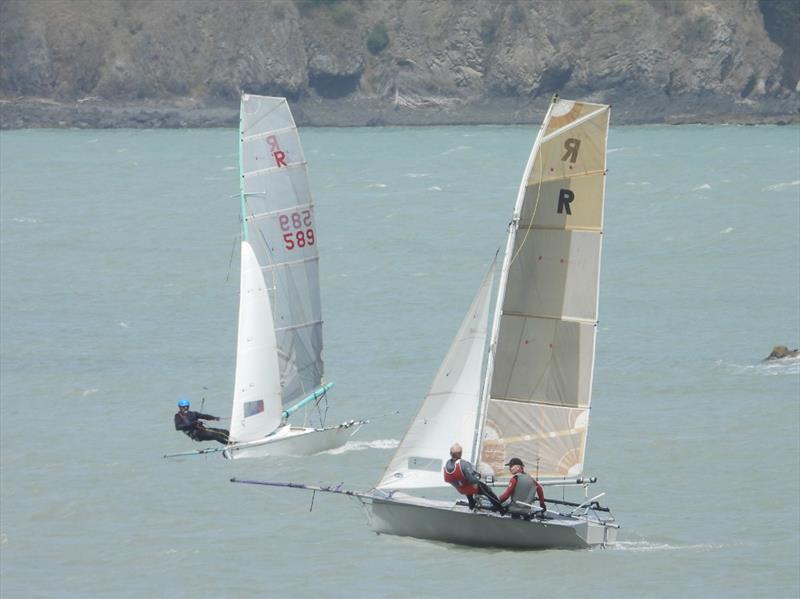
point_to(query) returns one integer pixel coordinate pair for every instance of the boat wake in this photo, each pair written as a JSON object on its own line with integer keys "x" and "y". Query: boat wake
{"x": 362, "y": 445}
{"x": 647, "y": 546}
{"x": 782, "y": 367}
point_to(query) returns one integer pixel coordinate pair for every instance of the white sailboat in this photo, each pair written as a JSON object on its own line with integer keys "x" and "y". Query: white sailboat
{"x": 279, "y": 367}
{"x": 536, "y": 393}
{"x": 532, "y": 400}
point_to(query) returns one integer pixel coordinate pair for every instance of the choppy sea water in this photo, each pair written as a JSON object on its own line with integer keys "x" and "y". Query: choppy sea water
{"x": 118, "y": 294}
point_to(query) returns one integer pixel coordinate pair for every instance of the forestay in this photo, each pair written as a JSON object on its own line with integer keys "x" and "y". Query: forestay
{"x": 449, "y": 412}
{"x": 279, "y": 224}
{"x": 539, "y": 375}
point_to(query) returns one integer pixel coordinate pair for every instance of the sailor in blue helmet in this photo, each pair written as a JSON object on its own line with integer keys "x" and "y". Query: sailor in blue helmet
{"x": 191, "y": 423}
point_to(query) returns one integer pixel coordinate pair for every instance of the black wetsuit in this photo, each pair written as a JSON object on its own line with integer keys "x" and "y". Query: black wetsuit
{"x": 190, "y": 423}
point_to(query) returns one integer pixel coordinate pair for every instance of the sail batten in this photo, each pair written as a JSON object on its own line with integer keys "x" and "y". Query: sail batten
{"x": 529, "y": 401}
{"x": 548, "y": 317}
{"x": 279, "y": 211}
{"x": 268, "y": 133}
{"x": 272, "y": 169}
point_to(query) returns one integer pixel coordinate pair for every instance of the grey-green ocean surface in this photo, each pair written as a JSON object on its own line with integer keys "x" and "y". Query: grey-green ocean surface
{"x": 119, "y": 295}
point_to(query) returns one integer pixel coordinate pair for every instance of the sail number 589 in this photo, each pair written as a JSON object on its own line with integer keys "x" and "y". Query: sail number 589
{"x": 297, "y": 229}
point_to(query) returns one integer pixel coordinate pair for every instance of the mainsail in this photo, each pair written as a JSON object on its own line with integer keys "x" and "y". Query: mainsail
{"x": 538, "y": 382}
{"x": 539, "y": 374}
{"x": 450, "y": 409}
{"x": 280, "y": 226}
{"x": 256, "y": 395}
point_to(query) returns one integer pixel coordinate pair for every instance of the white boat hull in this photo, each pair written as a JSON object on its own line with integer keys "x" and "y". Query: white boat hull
{"x": 447, "y": 522}
{"x": 295, "y": 441}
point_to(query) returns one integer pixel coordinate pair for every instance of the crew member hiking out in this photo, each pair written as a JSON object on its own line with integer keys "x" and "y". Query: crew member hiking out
{"x": 191, "y": 423}
{"x": 521, "y": 490}
{"x": 462, "y": 475}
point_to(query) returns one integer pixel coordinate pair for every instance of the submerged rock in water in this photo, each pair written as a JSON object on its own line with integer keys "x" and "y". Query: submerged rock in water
{"x": 781, "y": 351}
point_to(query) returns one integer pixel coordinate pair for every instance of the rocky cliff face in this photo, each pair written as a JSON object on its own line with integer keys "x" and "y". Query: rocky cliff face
{"x": 347, "y": 62}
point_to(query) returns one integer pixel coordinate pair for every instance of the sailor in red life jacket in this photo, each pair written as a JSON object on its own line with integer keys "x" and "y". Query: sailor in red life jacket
{"x": 461, "y": 474}
{"x": 521, "y": 488}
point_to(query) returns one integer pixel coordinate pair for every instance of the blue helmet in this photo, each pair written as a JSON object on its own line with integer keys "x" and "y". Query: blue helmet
{"x": 183, "y": 403}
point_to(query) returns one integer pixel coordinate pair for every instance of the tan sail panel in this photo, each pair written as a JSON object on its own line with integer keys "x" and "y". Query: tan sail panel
{"x": 545, "y": 361}
{"x": 550, "y": 440}
{"x": 540, "y": 383}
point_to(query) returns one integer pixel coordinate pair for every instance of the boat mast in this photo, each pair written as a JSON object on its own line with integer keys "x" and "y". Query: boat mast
{"x": 241, "y": 170}
{"x": 501, "y": 288}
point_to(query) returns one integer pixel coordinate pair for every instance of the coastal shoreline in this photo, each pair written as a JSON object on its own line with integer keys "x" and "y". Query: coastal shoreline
{"x": 95, "y": 113}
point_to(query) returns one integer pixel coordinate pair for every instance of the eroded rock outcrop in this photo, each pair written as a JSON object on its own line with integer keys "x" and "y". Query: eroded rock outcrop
{"x": 446, "y": 61}
{"x": 779, "y": 352}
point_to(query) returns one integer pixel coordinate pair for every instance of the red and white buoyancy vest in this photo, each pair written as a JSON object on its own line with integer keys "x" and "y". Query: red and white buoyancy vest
{"x": 458, "y": 480}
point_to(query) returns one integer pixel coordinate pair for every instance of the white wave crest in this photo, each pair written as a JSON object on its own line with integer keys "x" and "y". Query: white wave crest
{"x": 24, "y": 219}
{"x": 88, "y": 392}
{"x": 781, "y": 186}
{"x": 417, "y": 175}
{"x": 377, "y": 186}
{"x": 782, "y": 367}
{"x": 434, "y": 188}
{"x": 362, "y": 445}
{"x": 456, "y": 149}
{"x": 703, "y": 186}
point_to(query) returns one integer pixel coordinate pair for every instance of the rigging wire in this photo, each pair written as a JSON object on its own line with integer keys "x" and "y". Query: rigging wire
{"x": 236, "y": 239}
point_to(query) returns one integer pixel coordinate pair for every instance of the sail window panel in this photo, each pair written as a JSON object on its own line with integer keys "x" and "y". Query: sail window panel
{"x": 420, "y": 463}
{"x": 277, "y": 150}
{"x": 248, "y": 424}
{"x": 575, "y": 203}
{"x": 251, "y": 408}
{"x": 543, "y": 360}
{"x": 554, "y": 274}
{"x": 550, "y": 440}
{"x": 262, "y": 114}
